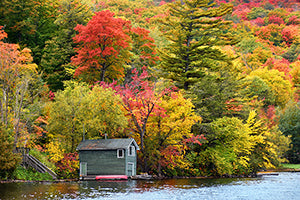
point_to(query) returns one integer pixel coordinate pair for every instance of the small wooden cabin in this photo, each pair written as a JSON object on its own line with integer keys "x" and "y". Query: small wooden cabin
{"x": 107, "y": 157}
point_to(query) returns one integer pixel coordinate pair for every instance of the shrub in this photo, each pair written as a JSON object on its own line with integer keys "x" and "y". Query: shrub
{"x": 30, "y": 174}
{"x": 68, "y": 166}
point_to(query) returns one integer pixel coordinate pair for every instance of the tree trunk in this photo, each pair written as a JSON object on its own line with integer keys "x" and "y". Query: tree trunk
{"x": 159, "y": 169}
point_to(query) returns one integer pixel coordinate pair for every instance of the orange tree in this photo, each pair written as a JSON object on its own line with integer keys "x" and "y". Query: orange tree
{"x": 108, "y": 46}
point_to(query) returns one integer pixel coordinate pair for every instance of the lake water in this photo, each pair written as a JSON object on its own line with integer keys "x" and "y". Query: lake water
{"x": 284, "y": 186}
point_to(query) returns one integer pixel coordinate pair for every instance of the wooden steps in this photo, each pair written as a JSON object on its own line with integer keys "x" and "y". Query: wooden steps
{"x": 37, "y": 165}
{"x": 29, "y": 160}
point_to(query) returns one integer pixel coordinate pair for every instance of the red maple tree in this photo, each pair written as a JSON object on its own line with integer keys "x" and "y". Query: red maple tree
{"x": 140, "y": 100}
{"x": 103, "y": 47}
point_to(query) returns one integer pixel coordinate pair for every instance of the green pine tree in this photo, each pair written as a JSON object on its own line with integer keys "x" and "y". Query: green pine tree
{"x": 195, "y": 31}
{"x": 28, "y": 23}
{"x": 59, "y": 50}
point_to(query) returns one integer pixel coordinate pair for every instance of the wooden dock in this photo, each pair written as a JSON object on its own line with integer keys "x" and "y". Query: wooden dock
{"x": 144, "y": 176}
{"x": 116, "y": 177}
{"x": 103, "y": 177}
{"x": 267, "y": 173}
{"x": 112, "y": 177}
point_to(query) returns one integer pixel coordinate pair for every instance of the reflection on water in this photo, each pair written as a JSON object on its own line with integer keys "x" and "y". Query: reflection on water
{"x": 284, "y": 186}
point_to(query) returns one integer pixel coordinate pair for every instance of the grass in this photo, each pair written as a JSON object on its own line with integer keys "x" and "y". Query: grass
{"x": 291, "y": 166}
{"x": 30, "y": 174}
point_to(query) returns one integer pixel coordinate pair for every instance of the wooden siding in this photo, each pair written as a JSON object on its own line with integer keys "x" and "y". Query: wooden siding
{"x": 103, "y": 162}
{"x": 99, "y": 161}
{"x": 130, "y": 159}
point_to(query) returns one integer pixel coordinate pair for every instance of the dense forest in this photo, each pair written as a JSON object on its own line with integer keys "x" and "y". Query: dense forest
{"x": 206, "y": 88}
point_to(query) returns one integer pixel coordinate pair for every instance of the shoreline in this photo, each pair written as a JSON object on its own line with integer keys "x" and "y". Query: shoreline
{"x": 131, "y": 178}
{"x": 43, "y": 181}
{"x": 260, "y": 173}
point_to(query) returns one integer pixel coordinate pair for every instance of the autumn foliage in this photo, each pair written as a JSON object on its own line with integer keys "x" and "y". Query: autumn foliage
{"x": 204, "y": 87}
{"x": 103, "y": 47}
{"x": 68, "y": 166}
{"x": 140, "y": 100}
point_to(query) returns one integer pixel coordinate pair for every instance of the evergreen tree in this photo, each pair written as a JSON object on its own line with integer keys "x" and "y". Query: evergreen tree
{"x": 59, "y": 50}
{"x": 195, "y": 31}
{"x": 212, "y": 94}
{"x": 28, "y": 23}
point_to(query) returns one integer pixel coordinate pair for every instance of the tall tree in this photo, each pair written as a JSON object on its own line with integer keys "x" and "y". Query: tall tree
{"x": 59, "y": 50}
{"x": 9, "y": 62}
{"x": 140, "y": 101}
{"x": 79, "y": 112}
{"x": 195, "y": 30}
{"x": 103, "y": 48}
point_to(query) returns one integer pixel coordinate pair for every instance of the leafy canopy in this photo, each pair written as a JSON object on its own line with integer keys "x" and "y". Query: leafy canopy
{"x": 79, "y": 112}
{"x": 103, "y": 48}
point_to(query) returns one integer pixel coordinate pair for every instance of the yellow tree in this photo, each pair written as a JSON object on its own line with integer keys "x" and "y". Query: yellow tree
{"x": 64, "y": 123}
{"x": 229, "y": 147}
{"x": 270, "y": 144}
{"x": 79, "y": 112}
{"x": 276, "y": 80}
{"x": 237, "y": 147}
{"x": 168, "y": 130}
{"x": 103, "y": 113}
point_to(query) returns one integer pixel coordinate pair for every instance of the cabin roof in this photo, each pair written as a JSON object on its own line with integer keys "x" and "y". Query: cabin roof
{"x": 107, "y": 144}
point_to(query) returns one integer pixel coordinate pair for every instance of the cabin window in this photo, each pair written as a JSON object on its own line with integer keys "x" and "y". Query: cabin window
{"x": 120, "y": 153}
{"x": 131, "y": 151}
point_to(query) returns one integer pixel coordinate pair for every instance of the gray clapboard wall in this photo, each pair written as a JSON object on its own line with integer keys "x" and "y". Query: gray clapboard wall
{"x": 101, "y": 157}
